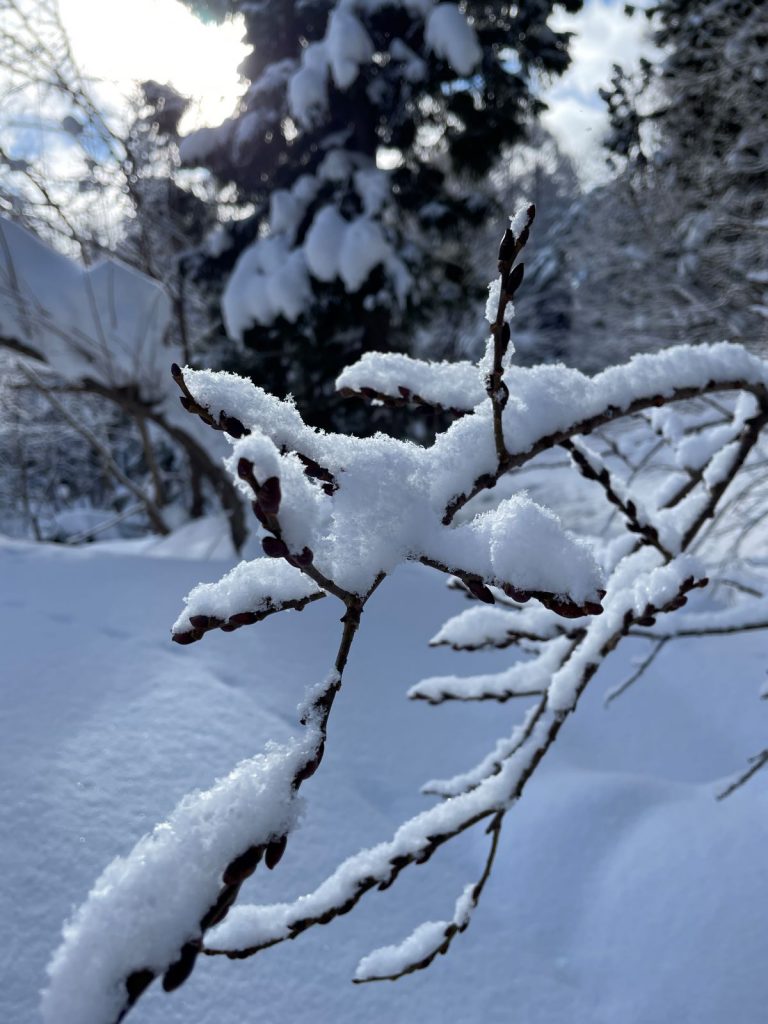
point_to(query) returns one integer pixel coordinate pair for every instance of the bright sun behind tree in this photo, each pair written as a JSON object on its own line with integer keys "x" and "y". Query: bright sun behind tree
{"x": 122, "y": 43}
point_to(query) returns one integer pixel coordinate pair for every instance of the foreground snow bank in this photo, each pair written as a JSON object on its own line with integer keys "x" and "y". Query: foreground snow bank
{"x": 619, "y": 864}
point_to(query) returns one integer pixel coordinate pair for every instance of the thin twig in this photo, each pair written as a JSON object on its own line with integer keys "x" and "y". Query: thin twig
{"x": 639, "y": 671}
{"x": 756, "y": 763}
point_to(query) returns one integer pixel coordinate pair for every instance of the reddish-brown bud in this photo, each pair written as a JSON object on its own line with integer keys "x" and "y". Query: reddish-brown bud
{"x": 274, "y": 547}
{"x": 233, "y": 426}
{"x": 507, "y": 246}
{"x": 270, "y": 495}
{"x": 258, "y": 511}
{"x": 646, "y": 620}
{"x": 303, "y": 559}
{"x": 515, "y": 279}
{"x": 480, "y": 591}
{"x": 179, "y": 971}
{"x": 219, "y": 910}
{"x": 242, "y": 867}
{"x": 275, "y": 851}
{"x": 137, "y": 982}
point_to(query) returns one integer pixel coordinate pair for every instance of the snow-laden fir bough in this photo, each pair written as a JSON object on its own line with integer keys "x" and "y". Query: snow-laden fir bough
{"x": 338, "y": 515}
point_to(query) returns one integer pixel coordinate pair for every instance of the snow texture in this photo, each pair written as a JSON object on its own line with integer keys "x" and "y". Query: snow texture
{"x": 448, "y": 385}
{"x": 269, "y": 281}
{"x": 487, "y": 626}
{"x": 405, "y": 489}
{"x": 523, "y": 679}
{"x": 638, "y": 582}
{"x": 145, "y": 906}
{"x": 492, "y": 305}
{"x": 392, "y": 960}
{"x": 390, "y": 501}
{"x": 258, "y": 586}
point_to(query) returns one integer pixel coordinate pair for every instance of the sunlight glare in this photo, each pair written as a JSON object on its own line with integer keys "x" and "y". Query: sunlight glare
{"x": 122, "y": 43}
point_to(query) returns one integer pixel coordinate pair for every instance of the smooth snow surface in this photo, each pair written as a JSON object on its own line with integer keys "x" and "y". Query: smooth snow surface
{"x": 617, "y": 867}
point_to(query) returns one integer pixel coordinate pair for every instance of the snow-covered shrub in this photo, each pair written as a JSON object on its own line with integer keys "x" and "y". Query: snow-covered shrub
{"x": 338, "y": 515}
{"x": 102, "y": 331}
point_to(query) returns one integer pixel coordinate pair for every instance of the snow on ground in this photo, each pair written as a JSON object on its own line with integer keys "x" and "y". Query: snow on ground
{"x": 623, "y": 892}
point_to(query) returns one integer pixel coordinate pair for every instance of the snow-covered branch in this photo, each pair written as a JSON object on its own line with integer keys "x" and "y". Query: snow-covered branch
{"x": 338, "y": 514}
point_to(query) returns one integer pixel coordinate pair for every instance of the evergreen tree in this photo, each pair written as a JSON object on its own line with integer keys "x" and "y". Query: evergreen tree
{"x": 359, "y": 149}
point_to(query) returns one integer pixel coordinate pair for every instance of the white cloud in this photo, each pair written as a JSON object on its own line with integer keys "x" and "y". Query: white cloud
{"x": 604, "y": 36}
